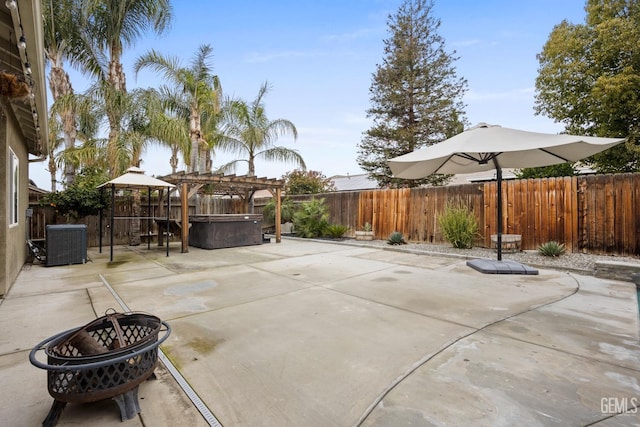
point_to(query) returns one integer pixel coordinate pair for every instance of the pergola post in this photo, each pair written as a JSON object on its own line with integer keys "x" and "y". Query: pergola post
{"x": 184, "y": 217}
{"x": 278, "y": 215}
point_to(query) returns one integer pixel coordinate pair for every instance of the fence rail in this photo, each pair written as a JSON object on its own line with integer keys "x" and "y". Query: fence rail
{"x": 598, "y": 214}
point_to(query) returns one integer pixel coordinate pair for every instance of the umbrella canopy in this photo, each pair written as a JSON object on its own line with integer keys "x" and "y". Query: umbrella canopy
{"x": 486, "y": 147}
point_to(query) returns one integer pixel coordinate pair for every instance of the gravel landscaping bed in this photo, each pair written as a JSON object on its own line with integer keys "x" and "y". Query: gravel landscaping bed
{"x": 583, "y": 263}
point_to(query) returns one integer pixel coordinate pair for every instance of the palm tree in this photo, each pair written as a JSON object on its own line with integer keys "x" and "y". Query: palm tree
{"x": 248, "y": 132}
{"x": 87, "y": 121}
{"x": 55, "y": 142}
{"x": 117, "y": 24}
{"x": 110, "y": 26}
{"x": 61, "y": 37}
{"x": 191, "y": 93}
{"x": 163, "y": 126}
{"x": 114, "y": 25}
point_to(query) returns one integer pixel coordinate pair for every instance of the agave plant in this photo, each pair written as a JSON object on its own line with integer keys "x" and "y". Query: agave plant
{"x": 335, "y": 230}
{"x": 552, "y": 248}
{"x": 396, "y": 238}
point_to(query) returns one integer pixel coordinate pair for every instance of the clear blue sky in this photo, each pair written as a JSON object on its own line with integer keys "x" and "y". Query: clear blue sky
{"x": 319, "y": 57}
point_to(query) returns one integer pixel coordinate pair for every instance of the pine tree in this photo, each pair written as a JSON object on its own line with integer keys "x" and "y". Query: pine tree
{"x": 416, "y": 95}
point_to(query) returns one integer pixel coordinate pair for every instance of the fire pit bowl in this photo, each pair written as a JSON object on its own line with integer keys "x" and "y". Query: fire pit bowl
{"x": 107, "y": 358}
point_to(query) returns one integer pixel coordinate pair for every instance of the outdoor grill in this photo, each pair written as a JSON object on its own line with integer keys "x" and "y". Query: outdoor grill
{"x": 107, "y": 358}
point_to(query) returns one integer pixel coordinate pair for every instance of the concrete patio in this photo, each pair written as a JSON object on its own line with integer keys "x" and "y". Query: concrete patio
{"x": 307, "y": 333}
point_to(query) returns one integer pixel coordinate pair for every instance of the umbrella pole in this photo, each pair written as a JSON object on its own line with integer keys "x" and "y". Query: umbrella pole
{"x": 499, "y": 216}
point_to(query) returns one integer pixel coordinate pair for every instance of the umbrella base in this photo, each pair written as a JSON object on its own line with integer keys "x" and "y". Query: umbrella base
{"x": 491, "y": 266}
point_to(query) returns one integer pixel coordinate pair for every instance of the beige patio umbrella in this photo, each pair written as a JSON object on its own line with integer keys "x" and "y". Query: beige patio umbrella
{"x": 486, "y": 147}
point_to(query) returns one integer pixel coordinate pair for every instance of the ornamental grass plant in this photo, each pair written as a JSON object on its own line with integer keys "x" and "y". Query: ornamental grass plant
{"x": 458, "y": 225}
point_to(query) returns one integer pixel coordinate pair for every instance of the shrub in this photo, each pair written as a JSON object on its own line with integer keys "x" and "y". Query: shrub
{"x": 335, "y": 230}
{"x": 552, "y": 248}
{"x": 311, "y": 219}
{"x": 458, "y": 225}
{"x": 307, "y": 182}
{"x": 82, "y": 198}
{"x": 287, "y": 210}
{"x": 396, "y": 238}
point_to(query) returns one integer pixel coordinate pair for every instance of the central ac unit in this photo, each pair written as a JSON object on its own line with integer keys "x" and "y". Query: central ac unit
{"x": 66, "y": 244}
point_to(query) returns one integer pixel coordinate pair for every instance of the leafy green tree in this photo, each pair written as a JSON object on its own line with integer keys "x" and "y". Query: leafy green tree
{"x": 589, "y": 79}
{"x": 563, "y": 169}
{"x": 306, "y": 182}
{"x": 82, "y": 197}
{"x": 416, "y": 95}
{"x": 250, "y": 134}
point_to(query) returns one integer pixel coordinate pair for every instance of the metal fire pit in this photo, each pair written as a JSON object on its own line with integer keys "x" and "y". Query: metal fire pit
{"x": 107, "y": 358}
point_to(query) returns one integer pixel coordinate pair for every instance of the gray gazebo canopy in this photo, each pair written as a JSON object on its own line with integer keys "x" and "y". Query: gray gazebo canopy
{"x": 135, "y": 179}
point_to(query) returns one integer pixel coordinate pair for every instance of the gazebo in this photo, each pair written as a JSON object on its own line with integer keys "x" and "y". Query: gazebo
{"x": 135, "y": 179}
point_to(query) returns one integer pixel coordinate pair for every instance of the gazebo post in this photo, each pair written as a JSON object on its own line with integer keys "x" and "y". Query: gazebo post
{"x": 113, "y": 208}
{"x": 184, "y": 218}
{"x": 168, "y": 216}
{"x": 149, "y": 218}
{"x": 100, "y": 223}
{"x": 160, "y": 214}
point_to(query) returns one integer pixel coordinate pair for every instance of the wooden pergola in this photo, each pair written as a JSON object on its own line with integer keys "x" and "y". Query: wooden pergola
{"x": 225, "y": 185}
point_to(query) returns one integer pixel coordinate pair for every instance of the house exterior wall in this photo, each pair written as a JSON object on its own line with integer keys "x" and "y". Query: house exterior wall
{"x": 13, "y": 251}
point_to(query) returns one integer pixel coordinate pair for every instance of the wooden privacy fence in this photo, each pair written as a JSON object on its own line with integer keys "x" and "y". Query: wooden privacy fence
{"x": 45, "y": 215}
{"x": 598, "y": 214}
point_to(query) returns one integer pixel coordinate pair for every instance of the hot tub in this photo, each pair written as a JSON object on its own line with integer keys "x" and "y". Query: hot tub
{"x": 225, "y": 231}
